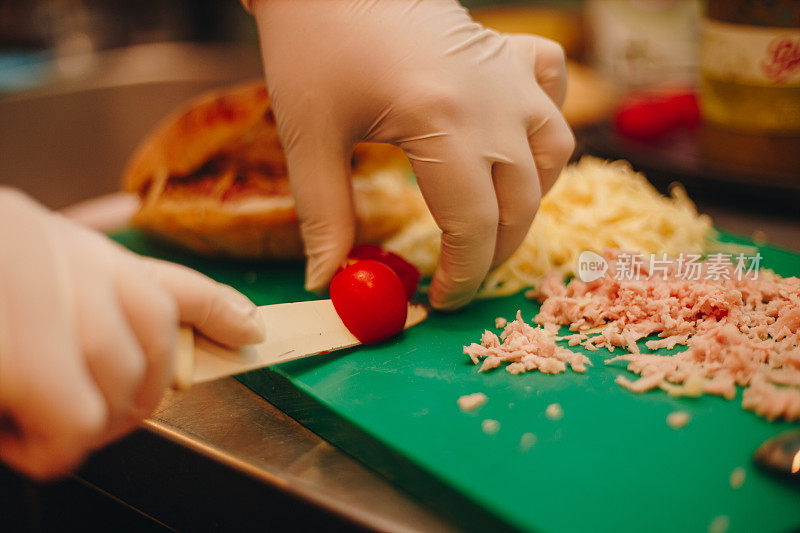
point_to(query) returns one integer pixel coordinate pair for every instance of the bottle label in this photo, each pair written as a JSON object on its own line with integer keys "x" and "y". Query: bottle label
{"x": 754, "y": 55}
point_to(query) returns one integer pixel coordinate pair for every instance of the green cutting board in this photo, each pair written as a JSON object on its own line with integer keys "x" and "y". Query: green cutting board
{"x": 610, "y": 464}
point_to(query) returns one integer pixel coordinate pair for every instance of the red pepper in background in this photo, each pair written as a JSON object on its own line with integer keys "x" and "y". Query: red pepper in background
{"x": 652, "y": 117}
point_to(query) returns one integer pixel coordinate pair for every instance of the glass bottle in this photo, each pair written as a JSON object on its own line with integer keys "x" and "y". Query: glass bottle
{"x": 750, "y": 65}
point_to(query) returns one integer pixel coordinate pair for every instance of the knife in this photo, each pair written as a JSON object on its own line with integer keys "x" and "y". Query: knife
{"x": 293, "y": 331}
{"x": 781, "y": 454}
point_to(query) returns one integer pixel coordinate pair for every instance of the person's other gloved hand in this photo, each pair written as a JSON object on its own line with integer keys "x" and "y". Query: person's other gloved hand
{"x": 475, "y": 111}
{"x": 87, "y": 331}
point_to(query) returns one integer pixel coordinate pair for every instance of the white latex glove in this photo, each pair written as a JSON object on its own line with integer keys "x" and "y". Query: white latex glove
{"x": 475, "y": 111}
{"x": 87, "y": 331}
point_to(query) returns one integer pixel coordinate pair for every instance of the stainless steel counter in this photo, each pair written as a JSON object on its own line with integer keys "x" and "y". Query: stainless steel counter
{"x": 69, "y": 142}
{"x": 225, "y": 421}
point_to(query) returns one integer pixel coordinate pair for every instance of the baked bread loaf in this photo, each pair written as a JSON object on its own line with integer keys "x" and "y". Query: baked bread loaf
{"x": 212, "y": 177}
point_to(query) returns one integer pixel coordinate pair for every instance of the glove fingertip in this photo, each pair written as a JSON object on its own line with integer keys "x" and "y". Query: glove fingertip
{"x": 256, "y": 331}
{"x": 247, "y": 325}
{"x": 320, "y": 272}
{"x": 448, "y": 300}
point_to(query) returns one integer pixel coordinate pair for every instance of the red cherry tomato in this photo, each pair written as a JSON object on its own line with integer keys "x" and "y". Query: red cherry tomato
{"x": 370, "y": 299}
{"x": 407, "y": 272}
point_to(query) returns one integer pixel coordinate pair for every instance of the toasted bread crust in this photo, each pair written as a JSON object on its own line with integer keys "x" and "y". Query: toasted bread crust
{"x": 247, "y": 231}
{"x": 235, "y": 130}
{"x": 269, "y": 227}
{"x": 191, "y": 135}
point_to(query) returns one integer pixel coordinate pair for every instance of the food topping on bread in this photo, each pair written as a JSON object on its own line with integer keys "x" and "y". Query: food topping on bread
{"x": 213, "y": 178}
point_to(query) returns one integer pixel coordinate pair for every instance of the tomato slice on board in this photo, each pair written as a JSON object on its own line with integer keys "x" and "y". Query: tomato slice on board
{"x": 408, "y": 273}
{"x": 370, "y": 299}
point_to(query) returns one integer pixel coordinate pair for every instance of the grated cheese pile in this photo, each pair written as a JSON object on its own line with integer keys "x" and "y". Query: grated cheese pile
{"x": 595, "y": 205}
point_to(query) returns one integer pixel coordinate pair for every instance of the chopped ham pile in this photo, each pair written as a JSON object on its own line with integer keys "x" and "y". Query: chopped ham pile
{"x": 523, "y": 348}
{"x": 739, "y": 330}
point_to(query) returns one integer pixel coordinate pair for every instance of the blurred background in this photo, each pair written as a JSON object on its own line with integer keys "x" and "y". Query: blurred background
{"x": 657, "y": 82}
{"x": 44, "y": 41}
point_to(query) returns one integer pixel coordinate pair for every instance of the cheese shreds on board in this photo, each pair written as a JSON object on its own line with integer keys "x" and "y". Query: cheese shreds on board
{"x": 595, "y": 205}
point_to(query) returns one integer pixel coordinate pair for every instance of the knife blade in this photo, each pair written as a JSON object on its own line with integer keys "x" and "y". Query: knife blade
{"x": 781, "y": 454}
{"x": 293, "y": 331}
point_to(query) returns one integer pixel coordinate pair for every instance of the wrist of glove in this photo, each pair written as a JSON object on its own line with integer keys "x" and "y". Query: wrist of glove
{"x": 87, "y": 332}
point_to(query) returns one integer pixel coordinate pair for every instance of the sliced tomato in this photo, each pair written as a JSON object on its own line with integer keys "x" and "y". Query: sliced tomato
{"x": 370, "y": 299}
{"x": 408, "y": 273}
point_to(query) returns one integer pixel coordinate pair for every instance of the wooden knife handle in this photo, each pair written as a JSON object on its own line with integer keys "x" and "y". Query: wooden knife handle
{"x": 184, "y": 359}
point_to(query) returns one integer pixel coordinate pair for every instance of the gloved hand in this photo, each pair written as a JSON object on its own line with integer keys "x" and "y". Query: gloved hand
{"x": 475, "y": 111}
{"x": 87, "y": 331}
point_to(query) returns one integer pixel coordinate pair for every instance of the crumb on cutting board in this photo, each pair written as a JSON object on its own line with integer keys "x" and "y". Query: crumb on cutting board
{"x": 554, "y": 411}
{"x": 469, "y": 402}
{"x": 677, "y": 419}
{"x": 500, "y": 322}
{"x": 720, "y": 524}
{"x": 527, "y": 441}
{"x": 738, "y": 477}
{"x": 490, "y": 427}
